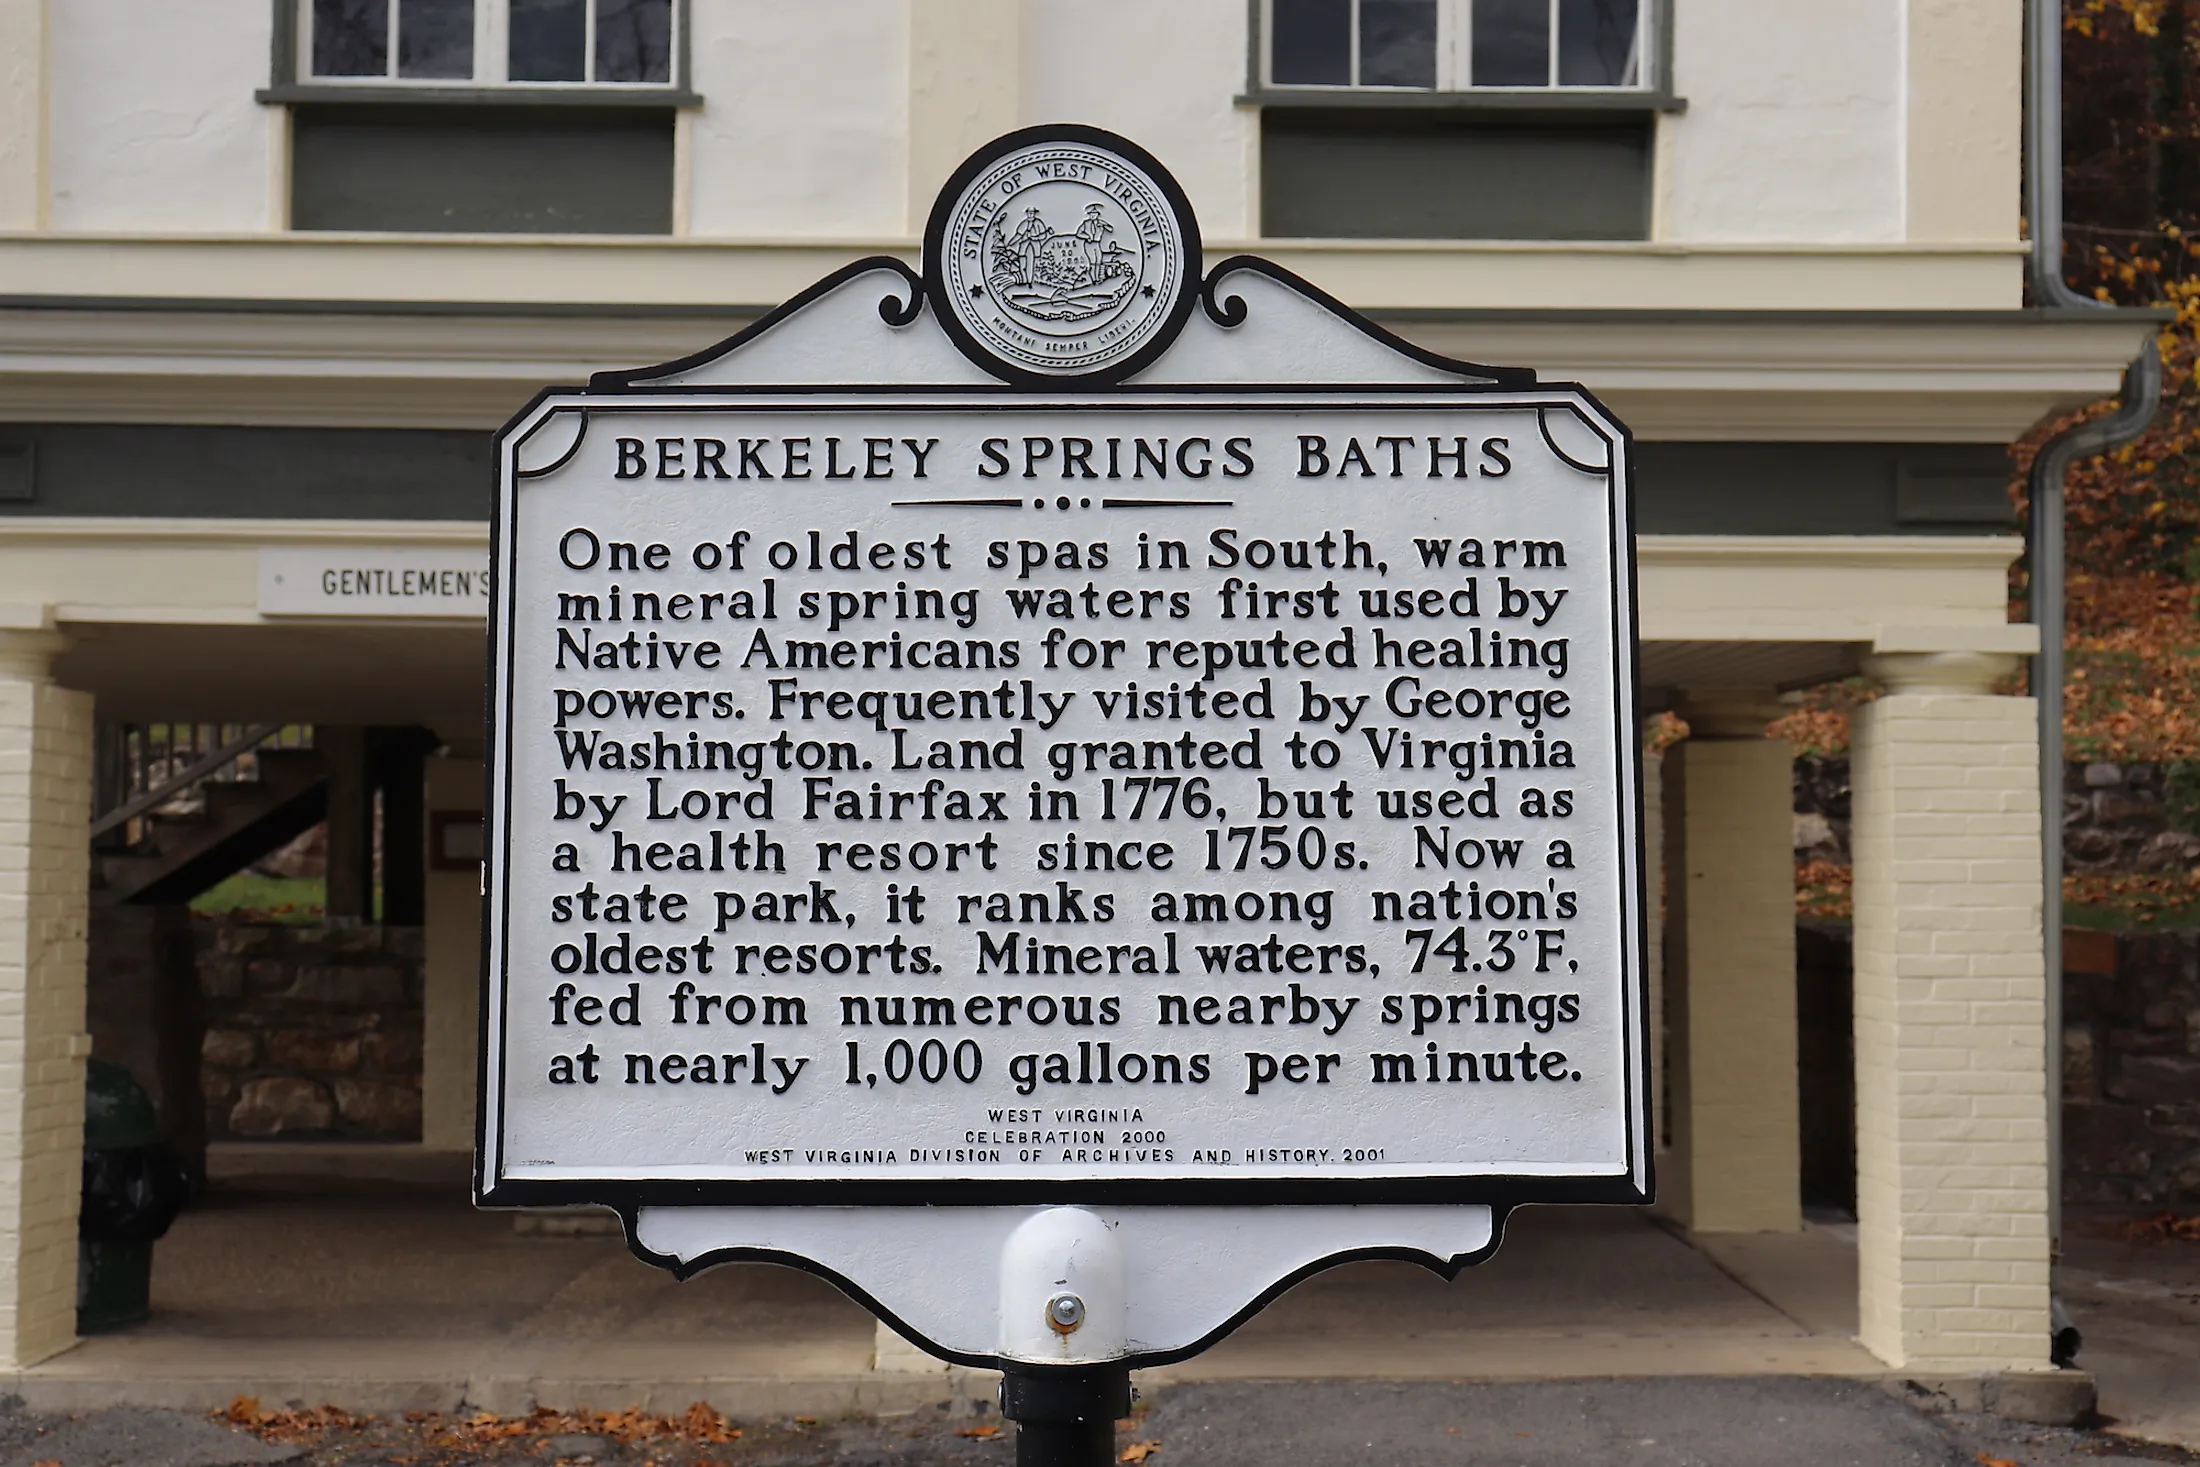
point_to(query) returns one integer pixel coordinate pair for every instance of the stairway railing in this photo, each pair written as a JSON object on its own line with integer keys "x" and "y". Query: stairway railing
{"x": 144, "y": 767}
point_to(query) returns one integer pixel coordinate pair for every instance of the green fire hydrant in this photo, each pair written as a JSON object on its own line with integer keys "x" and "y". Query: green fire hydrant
{"x": 133, "y": 1189}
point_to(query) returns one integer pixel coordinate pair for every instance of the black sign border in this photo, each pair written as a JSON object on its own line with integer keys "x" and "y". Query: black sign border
{"x": 1501, "y": 1191}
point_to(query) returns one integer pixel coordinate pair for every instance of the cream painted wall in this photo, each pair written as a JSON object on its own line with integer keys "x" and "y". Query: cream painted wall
{"x": 1163, "y": 74}
{"x": 153, "y": 123}
{"x": 830, "y": 120}
{"x": 965, "y": 88}
{"x": 1794, "y": 127}
{"x": 802, "y": 131}
{"x": 1965, "y": 159}
{"x": 22, "y": 113}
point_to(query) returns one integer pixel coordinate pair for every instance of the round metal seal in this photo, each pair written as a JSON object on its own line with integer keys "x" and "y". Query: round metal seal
{"x": 1062, "y": 252}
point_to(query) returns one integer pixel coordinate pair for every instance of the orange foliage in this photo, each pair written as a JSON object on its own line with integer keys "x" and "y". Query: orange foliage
{"x": 2133, "y": 685}
{"x": 1822, "y": 891}
{"x": 699, "y": 1424}
{"x": 2140, "y": 898}
{"x": 287, "y": 1425}
{"x": 2164, "y": 1227}
{"x": 1819, "y": 726}
{"x": 2136, "y": 510}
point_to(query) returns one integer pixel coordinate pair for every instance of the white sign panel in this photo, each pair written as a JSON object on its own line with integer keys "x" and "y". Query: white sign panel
{"x": 374, "y": 580}
{"x": 1149, "y": 782}
{"x": 1236, "y": 806}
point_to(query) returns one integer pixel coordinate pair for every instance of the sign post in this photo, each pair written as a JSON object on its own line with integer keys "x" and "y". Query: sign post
{"x": 1063, "y": 792}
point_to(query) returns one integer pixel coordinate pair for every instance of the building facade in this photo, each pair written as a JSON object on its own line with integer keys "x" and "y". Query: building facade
{"x": 270, "y": 275}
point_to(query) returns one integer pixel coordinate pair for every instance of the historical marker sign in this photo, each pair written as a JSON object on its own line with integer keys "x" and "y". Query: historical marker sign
{"x": 1125, "y": 786}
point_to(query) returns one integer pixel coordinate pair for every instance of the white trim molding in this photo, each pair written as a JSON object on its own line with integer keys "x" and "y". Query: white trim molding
{"x": 1695, "y": 376}
{"x": 1371, "y": 274}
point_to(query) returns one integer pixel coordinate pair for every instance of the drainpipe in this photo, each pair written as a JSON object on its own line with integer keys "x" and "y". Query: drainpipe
{"x": 2142, "y": 391}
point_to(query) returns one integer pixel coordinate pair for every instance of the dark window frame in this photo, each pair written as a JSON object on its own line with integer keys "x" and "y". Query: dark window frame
{"x": 1655, "y": 94}
{"x": 285, "y": 88}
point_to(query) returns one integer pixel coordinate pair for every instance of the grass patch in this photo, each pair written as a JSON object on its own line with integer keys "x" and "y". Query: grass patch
{"x": 2124, "y": 901}
{"x": 2116, "y": 901}
{"x": 264, "y": 898}
{"x": 2134, "y": 688}
{"x": 1822, "y": 892}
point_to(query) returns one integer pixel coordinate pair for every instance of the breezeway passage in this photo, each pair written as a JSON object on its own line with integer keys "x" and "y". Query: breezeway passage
{"x": 1824, "y": 367}
{"x": 358, "y": 1275}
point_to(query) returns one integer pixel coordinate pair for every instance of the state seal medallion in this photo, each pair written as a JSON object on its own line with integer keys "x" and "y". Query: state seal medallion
{"x": 1062, "y": 252}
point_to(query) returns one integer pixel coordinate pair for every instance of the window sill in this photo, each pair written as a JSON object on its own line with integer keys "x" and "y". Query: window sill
{"x": 1541, "y": 99}
{"x": 306, "y": 93}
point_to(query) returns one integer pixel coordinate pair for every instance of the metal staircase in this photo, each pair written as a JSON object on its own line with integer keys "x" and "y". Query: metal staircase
{"x": 185, "y": 805}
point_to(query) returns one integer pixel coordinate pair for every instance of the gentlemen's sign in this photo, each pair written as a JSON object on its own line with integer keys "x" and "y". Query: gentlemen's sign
{"x": 377, "y": 580}
{"x": 1200, "y": 771}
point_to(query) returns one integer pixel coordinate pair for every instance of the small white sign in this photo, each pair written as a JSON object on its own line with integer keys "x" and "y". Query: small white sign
{"x": 374, "y": 580}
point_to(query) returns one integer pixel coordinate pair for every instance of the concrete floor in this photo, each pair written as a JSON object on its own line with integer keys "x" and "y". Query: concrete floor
{"x": 1571, "y": 1292}
{"x": 2138, "y": 1306}
{"x": 362, "y": 1276}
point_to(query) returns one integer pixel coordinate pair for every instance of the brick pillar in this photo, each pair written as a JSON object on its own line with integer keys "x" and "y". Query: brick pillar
{"x": 45, "y": 868}
{"x": 1951, "y": 1104}
{"x": 1729, "y": 978}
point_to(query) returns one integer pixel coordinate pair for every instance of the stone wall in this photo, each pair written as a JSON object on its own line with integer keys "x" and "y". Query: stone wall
{"x": 2131, "y": 1068}
{"x": 2116, "y": 817}
{"x": 310, "y": 1030}
{"x": 143, "y": 1011}
{"x": 1822, "y": 810}
{"x": 2128, "y": 817}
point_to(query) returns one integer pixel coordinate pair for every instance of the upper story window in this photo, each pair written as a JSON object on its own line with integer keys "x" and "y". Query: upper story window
{"x": 533, "y": 43}
{"x": 1457, "y": 45}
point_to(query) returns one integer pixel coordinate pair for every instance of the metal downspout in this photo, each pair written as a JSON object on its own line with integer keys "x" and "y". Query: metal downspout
{"x": 2142, "y": 391}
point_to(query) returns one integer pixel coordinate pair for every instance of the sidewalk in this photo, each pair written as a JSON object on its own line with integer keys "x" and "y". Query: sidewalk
{"x": 1765, "y": 1421}
{"x": 2138, "y": 1305}
{"x": 362, "y": 1277}
{"x": 1572, "y": 1292}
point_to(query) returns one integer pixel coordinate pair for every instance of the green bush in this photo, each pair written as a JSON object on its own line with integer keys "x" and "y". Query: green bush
{"x": 2181, "y": 794}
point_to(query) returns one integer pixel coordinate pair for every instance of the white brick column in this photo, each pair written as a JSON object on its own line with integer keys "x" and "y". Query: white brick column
{"x": 45, "y": 868}
{"x": 1951, "y": 1119}
{"x": 1729, "y": 979}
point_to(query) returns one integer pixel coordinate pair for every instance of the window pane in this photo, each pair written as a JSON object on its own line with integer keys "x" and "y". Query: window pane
{"x": 1397, "y": 43}
{"x": 549, "y": 40}
{"x": 1313, "y": 43}
{"x": 351, "y": 37}
{"x": 1512, "y": 43}
{"x": 435, "y": 38}
{"x": 1597, "y": 42}
{"x": 633, "y": 40}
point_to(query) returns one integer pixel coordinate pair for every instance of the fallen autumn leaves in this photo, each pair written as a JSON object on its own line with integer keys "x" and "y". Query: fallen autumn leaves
{"x": 699, "y": 1424}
